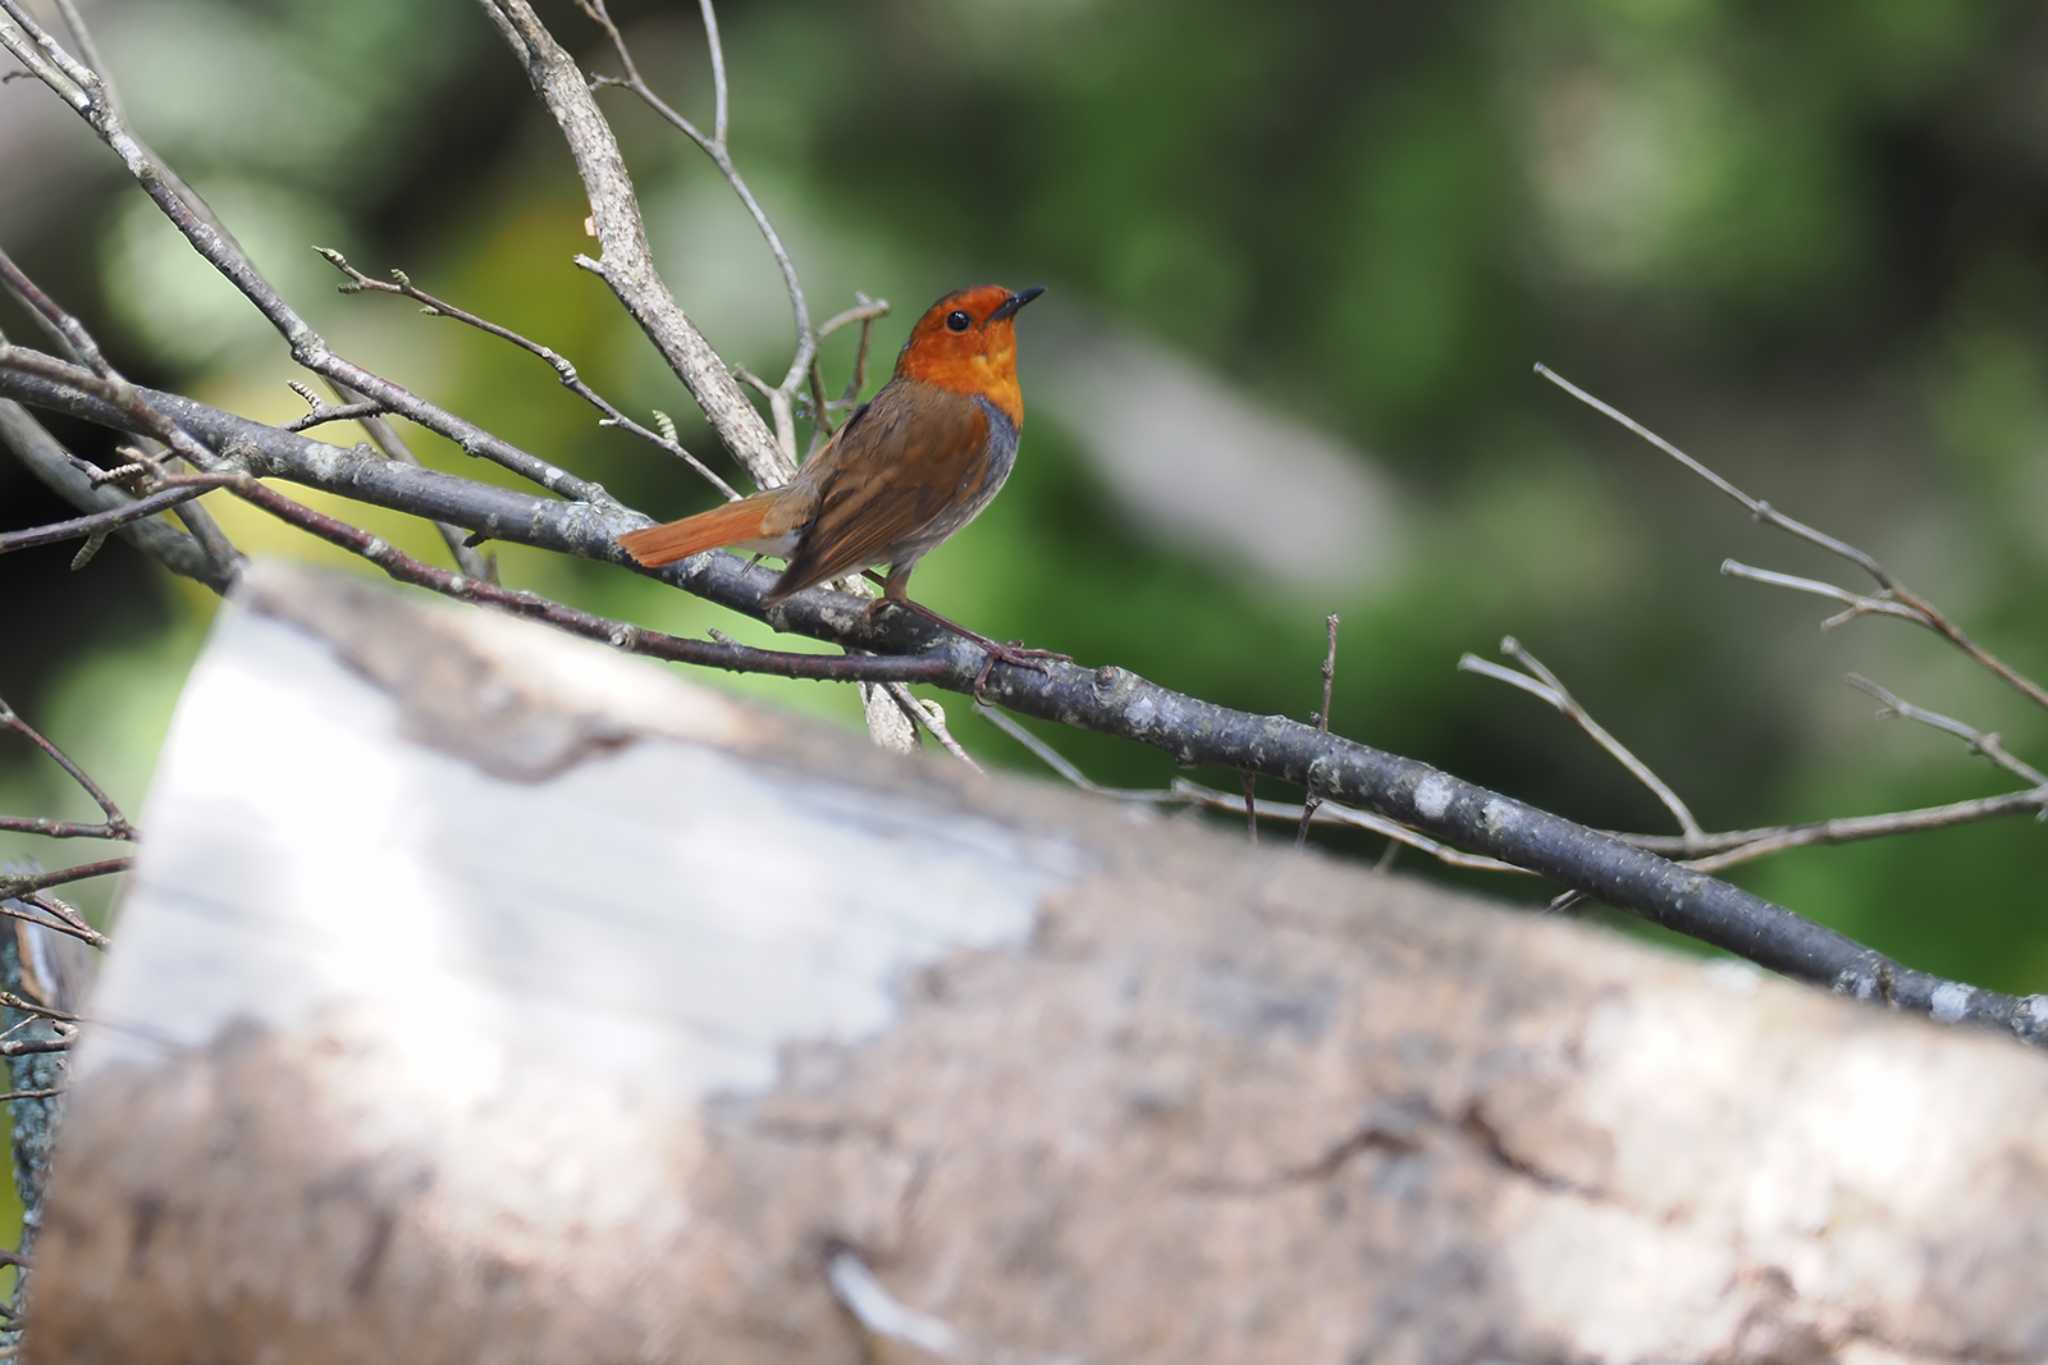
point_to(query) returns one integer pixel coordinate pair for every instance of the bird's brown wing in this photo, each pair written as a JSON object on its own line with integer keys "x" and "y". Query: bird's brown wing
{"x": 887, "y": 476}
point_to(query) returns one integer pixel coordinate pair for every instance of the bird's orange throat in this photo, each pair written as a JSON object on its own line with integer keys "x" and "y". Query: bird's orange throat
{"x": 979, "y": 374}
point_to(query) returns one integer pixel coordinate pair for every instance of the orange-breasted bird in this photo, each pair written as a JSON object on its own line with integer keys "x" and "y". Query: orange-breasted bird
{"x": 908, "y": 469}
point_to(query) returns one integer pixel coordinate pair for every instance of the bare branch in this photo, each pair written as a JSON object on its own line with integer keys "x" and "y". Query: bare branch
{"x": 1916, "y": 608}
{"x": 931, "y": 717}
{"x": 23, "y": 1004}
{"x": 51, "y": 912}
{"x": 619, "y": 634}
{"x": 1059, "y": 763}
{"x": 866, "y": 310}
{"x": 625, "y": 262}
{"x": 321, "y": 413}
{"x": 1746, "y": 845}
{"x": 17, "y": 910}
{"x": 101, "y": 522}
{"x": 209, "y": 537}
{"x": 1322, "y": 719}
{"x": 82, "y": 90}
{"x": 1979, "y": 741}
{"x": 1335, "y": 812}
{"x": 117, "y": 824}
{"x": 403, "y": 286}
{"x": 716, "y": 147}
{"x": 1756, "y": 507}
{"x": 1108, "y": 700}
{"x": 1858, "y": 604}
{"x": 1547, "y": 687}
{"x": 81, "y": 38}
{"x": 12, "y": 888}
{"x": 385, "y": 437}
{"x": 803, "y": 365}
{"x": 67, "y": 477}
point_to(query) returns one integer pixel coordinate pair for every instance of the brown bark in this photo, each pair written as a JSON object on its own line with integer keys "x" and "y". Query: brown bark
{"x": 483, "y": 995}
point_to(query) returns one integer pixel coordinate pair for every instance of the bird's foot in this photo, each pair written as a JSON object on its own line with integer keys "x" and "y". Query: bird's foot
{"x": 1015, "y": 655}
{"x": 993, "y": 652}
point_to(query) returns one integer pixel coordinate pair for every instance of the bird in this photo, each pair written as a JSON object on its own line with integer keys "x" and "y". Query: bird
{"x": 909, "y": 469}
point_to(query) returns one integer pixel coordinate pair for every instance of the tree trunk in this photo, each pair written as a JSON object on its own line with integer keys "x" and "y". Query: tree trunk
{"x": 482, "y": 995}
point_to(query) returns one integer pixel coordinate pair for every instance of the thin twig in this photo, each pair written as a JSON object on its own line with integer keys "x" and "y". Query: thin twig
{"x": 78, "y": 341}
{"x": 711, "y": 40}
{"x": 71, "y": 479}
{"x": 1730, "y": 847}
{"x": 1756, "y": 507}
{"x": 384, "y": 436}
{"x": 1546, "y": 686}
{"x": 72, "y": 925}
{"x": 1917, "y": 609}
{"x": 716, "y": 147}
{"x": 1980, "y": 741}
{"x": 1335, "y": 812}
{"x": 1186, "y": 793}
{"x": 23, "y": 1047}
{"x": 57, "y": 829}
{"x": 1308, "y": 807}
{"x": 10, "y": 1000}
{"x": 82, "y": 90}
{"x": 117, "y": 824}
{"x": 13, "y": 888}
{"x": 1712, "y": 851}
{"x": 99, "y": 523}
{"x": 864, "y": 311}
{"x": 869, "y": 310}
{"x": 1858, "y": 604}
{"x": 323, "y": 413}
{"x": 931, "y": 717}
{"x": 81, "y": 37}
{"x": 625, "y": 261}
{"x": 401, "y": 284}
{"x": 1061, "y": 764}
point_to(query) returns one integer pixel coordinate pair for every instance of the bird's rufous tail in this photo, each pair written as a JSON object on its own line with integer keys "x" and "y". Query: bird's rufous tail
{"x": 654, "y": 546}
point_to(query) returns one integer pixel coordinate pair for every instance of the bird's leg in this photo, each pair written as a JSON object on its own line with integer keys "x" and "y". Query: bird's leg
{"x": 895, "y": 591}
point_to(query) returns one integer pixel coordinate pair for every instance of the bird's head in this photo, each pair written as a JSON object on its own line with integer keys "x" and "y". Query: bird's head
{"x": 967, "y": 342}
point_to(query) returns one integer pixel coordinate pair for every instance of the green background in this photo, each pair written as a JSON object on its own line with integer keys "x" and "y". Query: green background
{"x": 1805, "y": 241}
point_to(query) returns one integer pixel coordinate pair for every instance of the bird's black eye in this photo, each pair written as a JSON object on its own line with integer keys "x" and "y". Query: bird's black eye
{"x": 957, "y": 321}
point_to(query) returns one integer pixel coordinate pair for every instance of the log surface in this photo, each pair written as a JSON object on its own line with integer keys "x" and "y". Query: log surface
{"x": 485, "y": 996}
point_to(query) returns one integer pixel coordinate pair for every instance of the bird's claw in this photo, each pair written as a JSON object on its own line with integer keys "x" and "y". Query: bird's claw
{"x": 1014, "y": 655}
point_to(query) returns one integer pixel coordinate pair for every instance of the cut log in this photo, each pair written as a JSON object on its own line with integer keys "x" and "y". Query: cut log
{"x": 482, "y": 995}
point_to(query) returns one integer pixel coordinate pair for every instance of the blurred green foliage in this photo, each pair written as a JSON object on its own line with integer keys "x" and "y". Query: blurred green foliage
{"x": 1806, "y": 241}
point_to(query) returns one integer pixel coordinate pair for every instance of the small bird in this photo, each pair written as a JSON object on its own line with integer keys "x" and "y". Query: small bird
{"x": 908, "y": 469}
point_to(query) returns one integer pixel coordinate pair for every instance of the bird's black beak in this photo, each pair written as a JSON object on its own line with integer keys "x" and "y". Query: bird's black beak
{"x": 1009, "y": 306}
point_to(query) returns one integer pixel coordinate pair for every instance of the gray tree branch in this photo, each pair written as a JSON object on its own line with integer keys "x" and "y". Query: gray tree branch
{"x": 1115, "y": 701}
